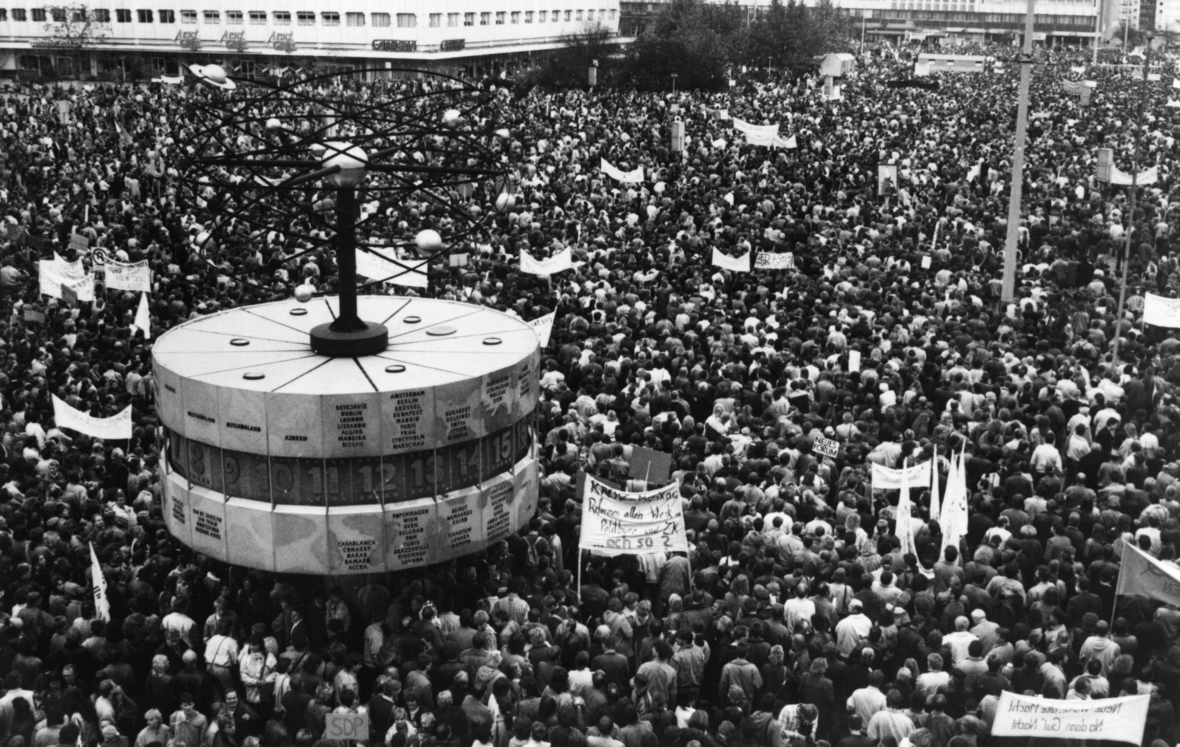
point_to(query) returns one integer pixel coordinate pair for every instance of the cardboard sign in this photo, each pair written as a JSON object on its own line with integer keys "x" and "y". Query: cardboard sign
{"x": 768, "y": 261}
{"x": 826, "y": 446}
{"x": 620, "y": 523}
{"x": 346, "y": 726}
{"x": 79, "y": 242}
{"x": 458, "y": 260}
{"x": 643, "y": 458}
{"x": 34, "y": 316}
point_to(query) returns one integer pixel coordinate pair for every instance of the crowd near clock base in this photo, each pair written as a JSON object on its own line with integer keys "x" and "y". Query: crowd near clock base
{"x": 281, "y": 459}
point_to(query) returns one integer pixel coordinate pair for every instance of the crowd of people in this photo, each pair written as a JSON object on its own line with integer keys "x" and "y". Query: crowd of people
{"x": 795, "y": 620}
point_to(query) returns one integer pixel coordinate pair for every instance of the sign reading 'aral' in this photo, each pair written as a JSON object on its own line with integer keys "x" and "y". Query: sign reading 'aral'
{"x": 617, "y": 522}
{"x": 1116, "y": 719}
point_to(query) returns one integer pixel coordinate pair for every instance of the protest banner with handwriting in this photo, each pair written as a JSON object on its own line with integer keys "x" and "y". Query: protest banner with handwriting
{"x": 615, "y": 522}
{"x": 1115, "y": 719}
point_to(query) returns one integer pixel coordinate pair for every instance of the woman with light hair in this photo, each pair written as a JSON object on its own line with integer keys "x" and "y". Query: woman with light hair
{"x": 156, "y": 730}
{"x": 157, "y": 689}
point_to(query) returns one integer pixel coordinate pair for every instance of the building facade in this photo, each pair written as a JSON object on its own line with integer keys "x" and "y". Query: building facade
{"x": 249, "y": 37}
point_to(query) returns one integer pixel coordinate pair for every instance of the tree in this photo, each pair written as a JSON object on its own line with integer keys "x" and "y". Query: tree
{"x": 569, "y": 67}
{"x": 75, "y": 30}
{"x": 694, "y": 40}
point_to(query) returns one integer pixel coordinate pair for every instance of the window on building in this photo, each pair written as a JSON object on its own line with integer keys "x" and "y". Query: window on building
{"x": 258, "y": 18}
{"x": 188, "y": 16}
{"x": 3, "y": 15}
{"x": 542, "y": 16}
{"x": 468, "y": 19}
{"x": 516, "y": 16}
{"x": 613, "y": 14}
{"x": 282, "y": 17}
{"x": 233, "y": 18}
{"x": 143, "y": 16}
{"x": 452, "y": 19}
{"x": 380, "y": 20}
{"x": 123, "y": 15}
{"x": 500, "y": 17}
{"x": 485, "y": 19}
{"x": 354, "y": 19}
{"x": 58, "y": 15}
{"x": 528, "y": 16}
{"x": 305, "y": 18}
{"x": 557, "y": 16}
{"x": 330, "y": 18}
{"x": 407, "y": 20}
{"x": 211, "y": 16}
{"x": 568, "y": 15}
{"x": 602, "y": 14}
{"x": 435, "y": 20}
{"x": 166, "y": 16}
{"x": 38, "y": 15}
{"x": 579, "y": 15}
{"x": 20, "y": 14}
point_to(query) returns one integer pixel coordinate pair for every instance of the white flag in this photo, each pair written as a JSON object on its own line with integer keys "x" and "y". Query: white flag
{"x": 102, "y": 606}
{"x": 934, "y": 487}
{"x": 544, "y": 327}
{"x": 143, "y": 319}
{"x": 376, "y": 266}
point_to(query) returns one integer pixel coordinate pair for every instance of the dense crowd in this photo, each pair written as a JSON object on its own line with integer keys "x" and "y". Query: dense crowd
{"x": 796, "y": 620}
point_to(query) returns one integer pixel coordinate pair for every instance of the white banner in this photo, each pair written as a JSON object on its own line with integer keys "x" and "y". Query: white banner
{"x": 1161, "y": 311}
{"x": 1151, "y": 176}
{"x": 885, "y": 478}
{"x": 769, "y": 130}
{"x": 544, "y": 327}
{"x": 102, "y": 606}
{"x": 734, "y": 264}
{"x": 135, "y": 277}
{"x": 116, "y": 428}
{"x": 1115, "y": 719}
{"x": 393, "y": 272}
{"x": 615, "y": 522}
{"x": 559, "y": 262}
{"x": 768, "y": 261}
{"x": 71, "y": 270}
{"x": 628, "y": 177}
{"x": 83, "y": 288}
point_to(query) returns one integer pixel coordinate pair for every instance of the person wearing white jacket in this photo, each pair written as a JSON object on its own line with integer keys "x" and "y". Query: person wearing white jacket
{"x": 256, "y": 668}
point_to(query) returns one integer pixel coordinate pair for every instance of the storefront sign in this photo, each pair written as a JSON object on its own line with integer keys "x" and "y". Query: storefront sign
{"x": 395, "y": 45}
{"x": 452, "y": 45}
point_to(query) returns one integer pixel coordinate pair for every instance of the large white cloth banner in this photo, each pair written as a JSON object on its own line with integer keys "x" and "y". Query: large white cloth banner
{"x": 615, "y": 522}
{"x": 769, "y": 130}
{"x": 559, "y": 262}
{"x": 1161, "y": 311}
{"x": 135, "y": 277}
{"x": 83, "y": 288}
{"x": 885, "y": 478}
{"x": 733, "y": 264}
{"x": 1151, "y": 176}
{"x": 629, "y": 177}
{"x": 115, "y": 428}
{"x": 1115, "y": 719}
{"x": 953, "y": 513}
{"x": 102, "y": 605}
{"x": 544, "y": 327}
{"x": 393, "y": 272}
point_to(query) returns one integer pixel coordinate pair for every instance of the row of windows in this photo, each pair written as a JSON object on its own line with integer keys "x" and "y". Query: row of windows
{"x": 308, "y": 18}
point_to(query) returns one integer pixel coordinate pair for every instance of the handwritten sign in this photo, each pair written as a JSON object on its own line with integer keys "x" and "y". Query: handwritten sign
{"x": 619, "y": 523}
{"x": 768, "y": 261}
{"x": 346, "y": 726}
{"x": 135, "y": 277}
{"x": 544, "y": 327}
{"x": 1117, "y": 719}
{"x": 826, "y": 446}
{"x": 1161, "y": 311}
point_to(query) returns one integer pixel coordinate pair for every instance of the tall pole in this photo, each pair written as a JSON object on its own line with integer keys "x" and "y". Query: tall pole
{"x": 1097, "y": 31}
{"x": 1008, "y": 289}
{"x": 1118, "y": 322}
{"x": 345, "y": 245}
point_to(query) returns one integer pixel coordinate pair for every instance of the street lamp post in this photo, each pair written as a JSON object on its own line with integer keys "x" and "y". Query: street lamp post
{"x": 674, "y": 77}
{"x": 1126, "y": 258}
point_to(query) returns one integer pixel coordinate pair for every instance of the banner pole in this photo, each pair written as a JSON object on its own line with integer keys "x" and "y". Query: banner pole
{"x": 579, "y": 575}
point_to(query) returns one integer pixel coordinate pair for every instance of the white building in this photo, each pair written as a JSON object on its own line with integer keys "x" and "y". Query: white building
{"x": 254, "y": 36}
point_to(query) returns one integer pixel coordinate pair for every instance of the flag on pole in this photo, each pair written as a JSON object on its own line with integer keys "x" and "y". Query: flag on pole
{"x": 934, "y": 487}
{"x": 143, "y": 319}
{"x": 953, "y": 512}
{"x": 102, "y": 607}
{"x": 1139, "y": 573}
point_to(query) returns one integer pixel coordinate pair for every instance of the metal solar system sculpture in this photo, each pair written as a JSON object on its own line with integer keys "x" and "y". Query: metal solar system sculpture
{"x": 384, "y": 169}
